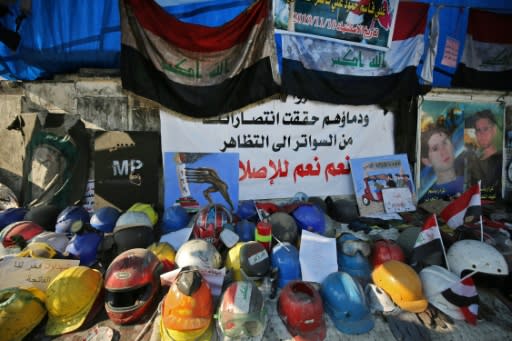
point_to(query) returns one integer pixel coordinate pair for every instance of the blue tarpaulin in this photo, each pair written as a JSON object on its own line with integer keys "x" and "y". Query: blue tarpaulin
{"x": 61, "y": 36}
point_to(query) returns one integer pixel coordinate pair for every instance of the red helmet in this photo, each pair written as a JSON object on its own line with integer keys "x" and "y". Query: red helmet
{"x": 301, "y": 309}
{"x": 132, "y": 282}
{"x": 386, "y": 249}
{"x": 209, "y": 222}
{"x": 25, "y": 230}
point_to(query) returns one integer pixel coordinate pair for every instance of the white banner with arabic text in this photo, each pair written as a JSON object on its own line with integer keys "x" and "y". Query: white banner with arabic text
{"x": 288, "y": 146}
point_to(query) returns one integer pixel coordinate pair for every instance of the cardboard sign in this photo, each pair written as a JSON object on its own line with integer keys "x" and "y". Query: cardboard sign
{"x": 31, "y": 272}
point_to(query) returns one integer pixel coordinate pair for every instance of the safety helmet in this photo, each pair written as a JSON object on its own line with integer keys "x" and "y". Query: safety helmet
{"x": 85, "y": 247}
{"x": 245, "y": 230}
{"x": 345, "y": 302}
{"x": 378, "y": 300}
{"x": 175, "y": 217}
{"x": 147, "y": 209}
{"x": 70, "y": 298}
{"x": 299, "y": 197}
{"x": 200, "y": 253}
{"x": 165, "y": 254}
{"x": 309, "y": 217}
{"x": 187, "y": 309}
{"x": 473, "y": 255}
{"x": 44, "y": 216}
{"x": 353, "y": 257}
{"x": 19, "y": 232}
{"x": 246, "y": 209}
{"x": 402, "y": 284}
{"x": 58, "y": 241}
{"x": 318, "y": 202}
{"x": 284, "y": 227}
{"x": 21, "y": 310}
{"x": 72, "y": 219}
{"x": 301, "y": 309}
{"x": 133, "y": 218}
{"x": 384, "y": 250}
{"x": 435, "y": 280}
{"x": 285, "y": 258}
{"x": 232, "y": 262}
{"x": 242, "y": 311}
{"x": 128, "y": 237}
{"x": 105, "y": 218}
{"x": 38, "y": 250}
{"x": 407, "y": 239}
{"x": 254, "y": 259}
{"x": 132, "y": 282}
{"x": 12, "y": 215}
{"x": 209, "y": 222}
{"x": 342, "y": 210}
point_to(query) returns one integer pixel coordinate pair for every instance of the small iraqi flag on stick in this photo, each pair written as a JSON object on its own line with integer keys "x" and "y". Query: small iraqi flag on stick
{"x": 428, "y": 242}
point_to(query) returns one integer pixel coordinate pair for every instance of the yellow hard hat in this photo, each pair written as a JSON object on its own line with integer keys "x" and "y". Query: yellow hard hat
{"x": 146, "y": 208}
{"x": 21, "y": 310}
{"x": 165, "y": 253}
{"x": 70, "y": 297}
{"x": 402, "y": 284}
{"x": 233, "y": 261}
{"x": 38, "y": 250}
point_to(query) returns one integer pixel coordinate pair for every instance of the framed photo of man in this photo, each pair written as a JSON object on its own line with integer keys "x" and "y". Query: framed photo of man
{"x": 459, "y": 144}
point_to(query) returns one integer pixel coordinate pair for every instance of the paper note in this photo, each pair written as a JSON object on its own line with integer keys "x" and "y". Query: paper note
{"x": 317, "y": 255}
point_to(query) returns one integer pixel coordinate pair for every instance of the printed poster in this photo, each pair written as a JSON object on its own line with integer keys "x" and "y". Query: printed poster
{"x": 286, "y": 147}
{"x": 368, "y": 23}
{"x": 461, "y": 143}
{"x": 194, "y": 180}
{"x": 372, "y": 176}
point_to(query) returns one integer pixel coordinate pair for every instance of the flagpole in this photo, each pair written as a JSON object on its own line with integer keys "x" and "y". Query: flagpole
{"x": 442, "y": 246}
{"x": 481, "y": 223}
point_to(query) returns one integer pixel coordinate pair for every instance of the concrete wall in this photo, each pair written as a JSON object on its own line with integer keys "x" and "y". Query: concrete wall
{"x": 101, "y": 102}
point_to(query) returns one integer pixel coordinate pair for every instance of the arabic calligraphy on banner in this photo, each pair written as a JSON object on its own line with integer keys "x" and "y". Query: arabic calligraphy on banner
{"x": 368, "y": 23}
{"x": 31, "y": 272}
{"x": 287, "y": 147}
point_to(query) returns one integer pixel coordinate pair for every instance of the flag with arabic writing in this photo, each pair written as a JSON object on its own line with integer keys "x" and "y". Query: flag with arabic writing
{"x": 486, "y": 62}
{"x": 197, "y": 70}
{"x": 341, "y": 73}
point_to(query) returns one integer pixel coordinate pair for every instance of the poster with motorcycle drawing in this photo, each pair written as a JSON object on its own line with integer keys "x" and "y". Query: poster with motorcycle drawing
{"x": 380, "y": 183}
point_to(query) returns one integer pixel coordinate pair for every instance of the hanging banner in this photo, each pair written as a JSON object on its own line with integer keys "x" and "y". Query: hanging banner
{"x": 288, "y": 146}
{"x": 369, "y": 23}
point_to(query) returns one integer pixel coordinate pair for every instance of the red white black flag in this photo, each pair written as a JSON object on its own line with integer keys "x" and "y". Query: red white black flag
{"x": 466, "y": 208}
{"x": 463, "y": 294}
{"x": 428, "y": 241}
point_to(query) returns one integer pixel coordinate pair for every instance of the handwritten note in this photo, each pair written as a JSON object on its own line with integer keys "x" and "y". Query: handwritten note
{"x": 398, "y": 199}
{"x": 31, "y": 272}
{"x": 451, "y": 51}
{"x": 317, "y": 256}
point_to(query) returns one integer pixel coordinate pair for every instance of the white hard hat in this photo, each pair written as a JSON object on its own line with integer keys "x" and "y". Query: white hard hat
{"x": 474, "y": 255}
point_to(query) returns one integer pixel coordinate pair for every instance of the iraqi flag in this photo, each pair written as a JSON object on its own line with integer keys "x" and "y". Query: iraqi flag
{"x": 341, "y": 73}
{"x": 428, "y": 241}
{"x": 197, "y": 70}
{"x": 486, "y": 61}
{"x": 465, "y": 209}
{"x": 463, "y": 294}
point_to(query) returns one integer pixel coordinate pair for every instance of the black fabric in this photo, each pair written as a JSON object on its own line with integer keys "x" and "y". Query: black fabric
{"x": 346, "y": 89}
{"x": 466, "y": 77}
{"x": 127, "y": 169}
{"x": 405, "y": 326}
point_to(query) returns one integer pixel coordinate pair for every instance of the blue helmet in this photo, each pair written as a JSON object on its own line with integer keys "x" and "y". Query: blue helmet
{"x": 245, "y": 230}
{"x": 104, "y": 219}
{"x": 246, "y": 209}
{"x": 285, "y": 258}
{"x": 310, "y": 217}
{"x": 174, "y": 218}
{"x": 12, "y": 215}
{"x": 345, "y": 302}
{"x": 85, "y": 247}
{"x": 353, "y": 257}
{"x": 72, "y": 219}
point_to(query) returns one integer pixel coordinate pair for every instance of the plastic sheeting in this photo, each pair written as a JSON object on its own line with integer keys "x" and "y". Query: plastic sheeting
{"x": 61, "y": 36}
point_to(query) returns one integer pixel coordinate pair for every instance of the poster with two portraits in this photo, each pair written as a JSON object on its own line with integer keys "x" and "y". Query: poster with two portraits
{"x": 461, "y": 142}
